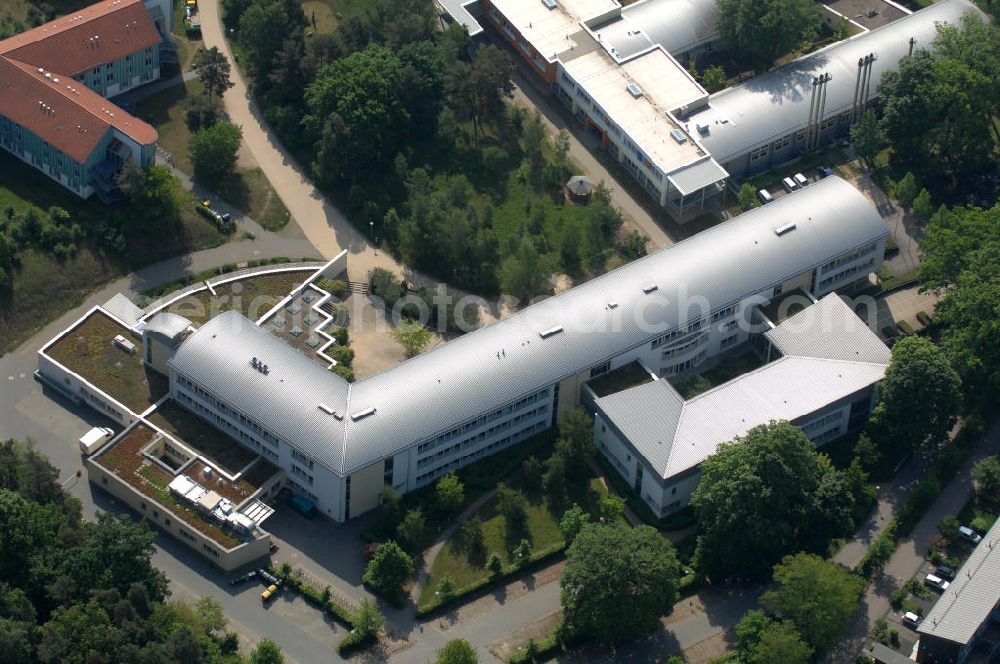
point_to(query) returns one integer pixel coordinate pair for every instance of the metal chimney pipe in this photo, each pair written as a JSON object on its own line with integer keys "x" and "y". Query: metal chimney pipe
{"x": 824, "y": 79}
{"x": 812, "y": 109}
{"x": 857, "y": 88}
{"x": 913, "y": 42}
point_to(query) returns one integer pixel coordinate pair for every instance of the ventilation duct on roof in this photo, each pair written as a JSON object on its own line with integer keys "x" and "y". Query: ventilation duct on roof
{"x": 550, "y": 4}
{"x": 649, "y": 289}
{"x": 634, "y": 90}
{"x": 326, "y": 409}
{"x": 361, "y": 414}
{"x": 550, "y": 332}
{"x": 678, "y": 135}
{"x": 786, "y": 228}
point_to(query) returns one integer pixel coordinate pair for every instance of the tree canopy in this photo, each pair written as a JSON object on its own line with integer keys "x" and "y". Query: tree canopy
{"x": 919, "y": 379}
{"x": 618, "y": 582}
{"x": 767, "y": 29}
{"x": 457, "y": 651}
{"x": 78, "y": 592}
{"x": 213, "y": 151}
{"x": 818, "y": 596}
{"x": 388, "y": 569}
{"x": 213, "y": 71}
{"x": 939, "y": 106}
{"x": 772, "y": 493}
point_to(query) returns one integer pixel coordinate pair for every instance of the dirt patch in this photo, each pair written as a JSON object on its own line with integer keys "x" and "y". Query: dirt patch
{"x": 505, "y": 647}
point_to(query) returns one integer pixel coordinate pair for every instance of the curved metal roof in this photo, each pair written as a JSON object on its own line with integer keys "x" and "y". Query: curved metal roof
{"x": 768, "y": 107}
{"x": 465, "y": 378}
{"x": 167, "y": 324}
{"x": 676, "y": 25}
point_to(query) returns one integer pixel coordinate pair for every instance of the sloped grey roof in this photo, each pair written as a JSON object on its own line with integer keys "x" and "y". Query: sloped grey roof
{"x": 767, "y": 107}
{"x": 167, "y": 324}
{"x": 697, "y": 176}
{"x": 465, "y": 378}
{"x": 123, "y": 309}
{"x": 460, "y": 14}
{"x": 677, "y": 25}
{"x": 285, "y": 401}
{"x": 829, "y": 329}
{"x": 971, "y": 597}
{"x": 580, "y": 185}
{"x": 674, "y": 435}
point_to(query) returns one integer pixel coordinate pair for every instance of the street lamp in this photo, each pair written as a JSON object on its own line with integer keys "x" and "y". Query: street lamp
{"x": 371, "y": 225}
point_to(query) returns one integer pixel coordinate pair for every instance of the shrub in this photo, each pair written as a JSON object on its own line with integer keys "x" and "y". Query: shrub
{"x": 339, "y": 334}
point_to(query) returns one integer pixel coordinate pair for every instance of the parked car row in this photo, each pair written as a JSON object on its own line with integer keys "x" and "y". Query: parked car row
{"x": 793, "y": 183}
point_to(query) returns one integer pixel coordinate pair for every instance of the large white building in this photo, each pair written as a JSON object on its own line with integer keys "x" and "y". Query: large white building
{"x": 825, "y": 362}
{"x": 620, "y": 71}
{"x": 673, "y": 311}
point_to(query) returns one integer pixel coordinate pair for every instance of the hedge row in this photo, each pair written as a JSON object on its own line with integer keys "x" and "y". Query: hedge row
{"x": 314, "y": 596}
{"x": 538, "y": 557}
{"x": 544, "y": 649}
{"x": 920, "y": 499}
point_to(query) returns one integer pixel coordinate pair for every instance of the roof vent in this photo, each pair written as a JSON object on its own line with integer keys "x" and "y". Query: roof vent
{"x": 326, "y": 409}
{"x": 781, "y": 230}
{"x": 545, "y": 334}
{"x": 550, "y": 4}
{"x": 678, "y": 135}
{"x": 634, "y": 90}
{"x": 702, "y": 128}
{"x": 361, "y": 414}
{"x": 612, "y": 305}
{"x": 649, "y": 288}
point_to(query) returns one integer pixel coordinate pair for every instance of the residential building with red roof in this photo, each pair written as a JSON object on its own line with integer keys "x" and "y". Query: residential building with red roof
{"x": 54, "y": 84}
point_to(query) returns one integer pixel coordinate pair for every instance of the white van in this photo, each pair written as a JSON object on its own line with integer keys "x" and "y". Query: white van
{"x": 800, "y": 179}
{"x": 94, "y": 439}
{"x": 765, "y": 196}
{"x": 789, "y": 184}
{"x": 936, "y": 582}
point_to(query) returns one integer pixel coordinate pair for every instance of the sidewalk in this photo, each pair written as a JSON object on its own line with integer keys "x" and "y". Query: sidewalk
{"x": 909, "y": 556}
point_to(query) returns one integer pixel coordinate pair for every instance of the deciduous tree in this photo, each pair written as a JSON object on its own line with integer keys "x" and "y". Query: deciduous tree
{"x": 412, "y": 336}
{"x": 213, "y": 71}
{"x": 818, "y": 596}
{"x": 767, "y": 29}
{"x": 919, "y": 379}
{"x": 618, "y": 582}
{"x": 388, "y": 569}
{"x": 457, "y": 651}
{"x": 213, "y": 152}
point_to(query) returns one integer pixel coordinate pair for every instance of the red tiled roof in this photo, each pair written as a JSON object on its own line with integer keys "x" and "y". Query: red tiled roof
{"x": 90, "y": 37}
{"x": 64, "y": 113}
{"x": 74, "y": 118}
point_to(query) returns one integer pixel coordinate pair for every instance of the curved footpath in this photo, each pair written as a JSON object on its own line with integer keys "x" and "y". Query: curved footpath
{"x": 323, "y": 224}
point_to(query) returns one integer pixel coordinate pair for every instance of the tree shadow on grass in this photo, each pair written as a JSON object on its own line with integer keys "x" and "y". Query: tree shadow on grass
{"x": 234, "y": 190}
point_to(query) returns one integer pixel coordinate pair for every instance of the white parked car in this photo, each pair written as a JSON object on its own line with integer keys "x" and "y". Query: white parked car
{"x": 789, "y": 184}
{"x": 800, "y": 179}
{"x": 910, "y": 619}
{"x": 970, "y": 534}
{"x": 936, "y": 582}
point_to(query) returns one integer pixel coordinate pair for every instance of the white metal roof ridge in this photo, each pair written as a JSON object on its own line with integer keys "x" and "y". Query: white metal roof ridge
{"x": 742, "y": 396}
{"x": 463, "y": 379}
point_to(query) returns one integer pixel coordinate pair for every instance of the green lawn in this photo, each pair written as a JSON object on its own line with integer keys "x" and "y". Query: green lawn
{"x": 320, "y": 15}
{"x": 47, "y": 287}
{"x": 543, "y": 531}
{"x": 338, "y": 10}
{"x": 248, "y": 190}
{"x": 465, "y": 568}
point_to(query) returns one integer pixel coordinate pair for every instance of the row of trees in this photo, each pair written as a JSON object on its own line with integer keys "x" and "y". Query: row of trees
{"x": 75, "y": 592}
{"x": 416, "y": 138}
{"x": 938, "y": 110}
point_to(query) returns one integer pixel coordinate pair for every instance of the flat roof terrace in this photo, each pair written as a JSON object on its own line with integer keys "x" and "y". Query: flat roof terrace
{"x": 126, "y": 460}
{"x": 663, "y": 87}
{"x": 252, "y": 296}
{"x": 202, "y": 437}
{"x": 89, "y": 350}
{"x": 553, "y": 31}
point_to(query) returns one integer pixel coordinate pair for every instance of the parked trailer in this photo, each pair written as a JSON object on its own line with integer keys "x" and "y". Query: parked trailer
{"x": 94, "y": 439}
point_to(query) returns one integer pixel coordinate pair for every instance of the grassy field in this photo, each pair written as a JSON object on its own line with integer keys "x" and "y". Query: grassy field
{"x": 466, "y": 567}
{"x": 47, "y": 287}
{"x": 320, "y": 15}
{"x": 249, "y": 190}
